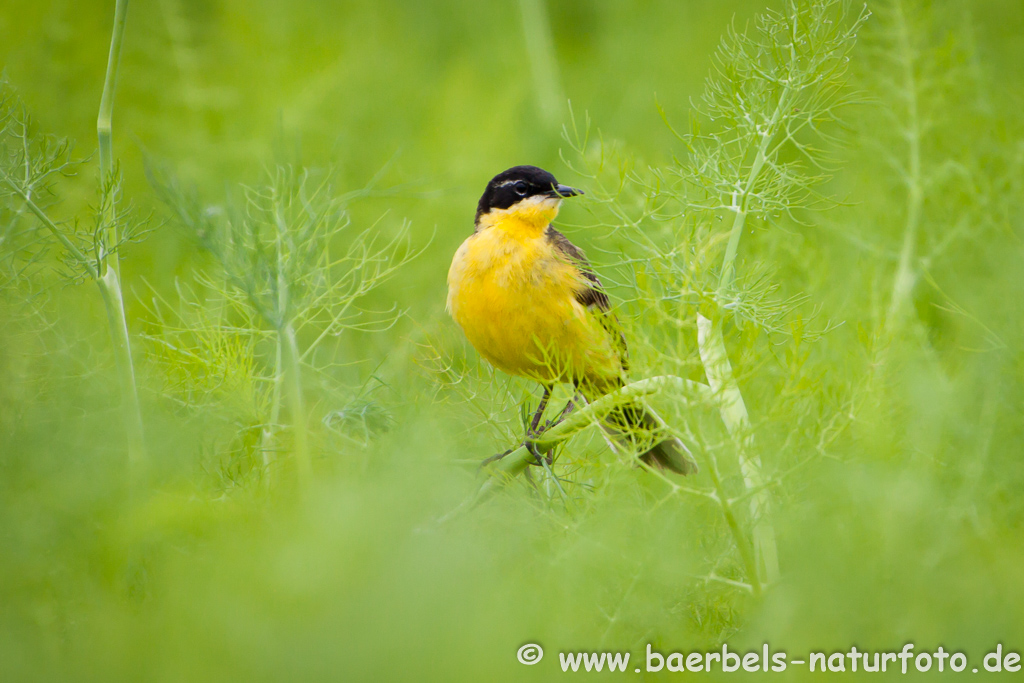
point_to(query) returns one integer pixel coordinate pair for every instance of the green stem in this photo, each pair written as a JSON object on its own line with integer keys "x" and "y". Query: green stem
{"x": 131, "y": 411}
{"x": 711, "y": 347}
{"x": 723, "y": 382}
{"x": 903, "y": 283}
{"x": 731, "y": 249}
{"x": 741, "y": 202}
{"x": 108, "y": 271}
{"x": 104, "y": 121}
{"x": 280, "y": 373}
{"x": 296, "y": 404}
{"x": 747, "y": 554}
{"x": 267, "y": 444}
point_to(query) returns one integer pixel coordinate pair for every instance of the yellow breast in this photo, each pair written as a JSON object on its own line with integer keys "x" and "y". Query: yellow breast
{"x": 514, "y": 298}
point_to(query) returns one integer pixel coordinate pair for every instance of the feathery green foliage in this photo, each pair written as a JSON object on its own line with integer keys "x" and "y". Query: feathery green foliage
{"x": 751, "y": 157}
{"x": 292, "y": 269}
{"x": 28, "y": 164}
{"x": 816, "y": 276}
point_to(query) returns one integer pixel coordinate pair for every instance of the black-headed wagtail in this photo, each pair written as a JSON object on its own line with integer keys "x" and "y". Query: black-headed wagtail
{"x": 529, "y": 302}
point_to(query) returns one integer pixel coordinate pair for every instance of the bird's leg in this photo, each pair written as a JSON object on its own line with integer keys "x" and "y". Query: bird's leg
{"x": 534, "y": 430}
{"x": 566, "y": 411}
{"x": 535, "y": 422}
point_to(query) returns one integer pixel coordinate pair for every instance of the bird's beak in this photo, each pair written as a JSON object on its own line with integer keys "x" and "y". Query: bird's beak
{"x": 564, "y": 191}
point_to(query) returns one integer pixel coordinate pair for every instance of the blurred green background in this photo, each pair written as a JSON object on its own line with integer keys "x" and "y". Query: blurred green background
{"x": 905, "y": 526}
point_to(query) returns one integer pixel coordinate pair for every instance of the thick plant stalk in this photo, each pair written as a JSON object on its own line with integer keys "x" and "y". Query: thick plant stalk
{"x": 718, "y": 370}
{"x": 296, "y": 403}
{"x": 131, "y": 411}
{"x": 734, "y": 413}
{"x": 748, "y": 553}
{"x": 903, "y": 283}
{"x": 267, "y": 444}
{"x": 109, "y": 277}
{"x": 280, "y": 376}
{"x": 104, "y": 122}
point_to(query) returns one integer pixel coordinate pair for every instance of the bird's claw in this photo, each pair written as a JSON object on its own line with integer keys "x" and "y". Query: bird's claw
{"x": 494, "y": 458}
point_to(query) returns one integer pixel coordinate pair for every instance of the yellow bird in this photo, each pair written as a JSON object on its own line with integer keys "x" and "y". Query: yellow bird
{"x": 529, "y": 302}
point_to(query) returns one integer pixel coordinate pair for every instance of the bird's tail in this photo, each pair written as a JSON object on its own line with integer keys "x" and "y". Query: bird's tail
{"x": 627, "y": 424}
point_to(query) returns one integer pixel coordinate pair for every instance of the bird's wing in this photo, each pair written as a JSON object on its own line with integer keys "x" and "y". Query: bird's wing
{"x": 591, "y": 293}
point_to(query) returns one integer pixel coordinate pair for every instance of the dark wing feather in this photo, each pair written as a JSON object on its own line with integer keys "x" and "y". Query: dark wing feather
{"x": 591, "y": 294}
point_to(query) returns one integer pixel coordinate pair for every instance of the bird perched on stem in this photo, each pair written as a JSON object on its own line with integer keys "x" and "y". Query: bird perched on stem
{"x": 529, "y": 302}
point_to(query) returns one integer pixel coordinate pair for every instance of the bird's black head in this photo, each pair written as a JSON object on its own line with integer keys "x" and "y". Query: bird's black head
{"x": 519, "y": 183}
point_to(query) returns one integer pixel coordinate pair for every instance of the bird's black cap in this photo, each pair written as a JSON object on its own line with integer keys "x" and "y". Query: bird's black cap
{"x": 518, "y": 183}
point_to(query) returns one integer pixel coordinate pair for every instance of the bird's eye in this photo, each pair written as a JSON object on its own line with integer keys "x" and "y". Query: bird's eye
{"x": 521, "y": 188}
